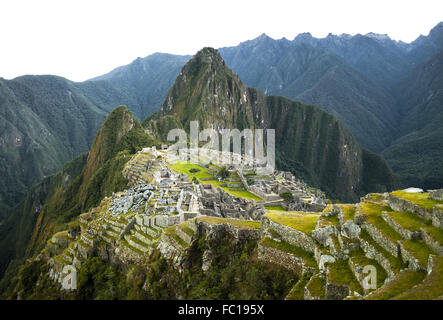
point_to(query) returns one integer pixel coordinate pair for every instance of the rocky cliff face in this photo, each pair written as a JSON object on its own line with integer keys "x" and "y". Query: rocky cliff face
{"x": 309, "y": 142}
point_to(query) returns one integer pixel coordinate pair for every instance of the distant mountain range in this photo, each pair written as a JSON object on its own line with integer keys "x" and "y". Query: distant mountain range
{"x": 386, "y": 93}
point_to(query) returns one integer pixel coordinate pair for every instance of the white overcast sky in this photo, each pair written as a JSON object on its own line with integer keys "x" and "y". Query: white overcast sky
{"x": 81, "y": 39}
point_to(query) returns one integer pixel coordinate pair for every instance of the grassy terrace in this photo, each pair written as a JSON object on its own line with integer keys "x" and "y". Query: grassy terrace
{"x": 170, "y": 231}
{"x": 186, "y": 229}
{"x": 373, "y": 212}
{"x": 430, "y": 288}
{"x": 396, "y": 263}
{"x": 62, "y": 260}
{"x": 408, "y": 220}
{"x": 419, "y": 250}
{"x": 308, "y": 257}
{"x": 275, "y": 208}
{"x": 348, "y": 211}
{"x": 400, "y": 284}
{"x": 420, "y": 199}
{"x": 139, "y": 242}
{"x": 184, "y": 167}
{"x": 301, "y": 221}
{"x": 126, "y": 244}
{"x": 243, "y": 224}
{"x": 317, "y": 286}
{"x": 435, "y": 233}
{"x": 359, "y": 258}
{"x": 340, "y": 273}
{"x": 298, "y": 290}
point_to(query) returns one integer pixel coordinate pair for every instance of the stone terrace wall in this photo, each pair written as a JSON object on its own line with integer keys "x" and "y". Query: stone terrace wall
{"x": 287, "y": 234}
{"x": 399, "y": 204}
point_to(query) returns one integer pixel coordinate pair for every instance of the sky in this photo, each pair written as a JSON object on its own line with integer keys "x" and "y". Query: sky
{"x": 81, "y": 39}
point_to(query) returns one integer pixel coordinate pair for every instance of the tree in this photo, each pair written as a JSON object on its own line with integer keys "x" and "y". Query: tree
{"x": 287, "y": 196}
{"x": 223, "y": 173}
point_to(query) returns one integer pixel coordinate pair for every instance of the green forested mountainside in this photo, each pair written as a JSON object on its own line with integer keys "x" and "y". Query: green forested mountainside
{"x": 44, "y": 122}
{"x": 309, "y": 142}
{"x": 417, "y": 155}
{"x": 81, "y": 185}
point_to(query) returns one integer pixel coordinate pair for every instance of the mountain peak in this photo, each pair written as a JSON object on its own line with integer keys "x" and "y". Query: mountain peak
{"x": 377, "y": 36}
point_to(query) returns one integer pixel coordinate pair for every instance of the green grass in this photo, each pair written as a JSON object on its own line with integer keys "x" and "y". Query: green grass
{"x": 62, "y": 260}
{"x": 84, "y": 244}
{"x": 308, "y": 257}
{"x": 170, "y": 231}
{"x": 145, "y": 235}
{"x": 244, "y": 224}
{"x": 331, "y": 220}
{"x": 298, "y": 290}
{"x": 408, "y": 220}
{"x": 358, "y": 257}
{"x": 139, "y": 242}
{"x": 419, "y": 250}
{"x": 420, "y": 199}
{"x": 186, "y": 229}
{"x": 400, "y": 284}
{"x": 317, "y": 286}
{"x": 341, "y": 274}
{"x": 436, "y": 233}
{"x": 348, "y": 211}
{"x": 126, "y": 244}
{"x": 373, "y": 212}
{"x": 276, "y": 208}
{"x": 430, "y": 288}
{"x": 301, "y": 221}
{"x": 183, "y": 167}
{"x": 241, "y": 194}
{"x": 396, "y": 263}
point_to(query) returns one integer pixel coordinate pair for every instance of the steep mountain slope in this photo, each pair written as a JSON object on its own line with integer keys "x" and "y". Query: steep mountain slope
{"x": 309, "y": 142}
{"x": 81, "y": 184}
{"x": 142, "y": 85}
{"x": 44, "y": 122}
{"x": 315, "y": 75}
{"x": 379, "y": 58}
{"x": 418, "y": 152}
{"x": 425, "y": 47}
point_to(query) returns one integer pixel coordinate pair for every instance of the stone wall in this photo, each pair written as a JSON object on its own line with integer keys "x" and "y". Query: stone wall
{"x": 436, "y": 194}
{"x": 437, "y": 216}
{"x": 183, "y": 235}
{"x": 372, "y": 253}
{"x": 287, "y": 234}
{"x": 413, "y": 263}
{"x": 432, "y": 243}
{"x": 405, "y": 233}
{"x": 399, "y": 204}
{"x": 383, "y": 241}
{"x": 336, "y": 291}
{"x": 284, "y": 259}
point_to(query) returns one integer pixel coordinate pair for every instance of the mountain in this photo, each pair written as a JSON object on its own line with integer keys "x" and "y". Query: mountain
{"x": 425, "y": 47}
{"x": 418, "y": 152}
{"x": 79, "y": 186}
{"x": 142, "y": 85}
{"x": 314, "y": 75}
{"x": 44, "y": 122}
{"x": 309, "y": 142}
{"x": 359, "y": 79}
